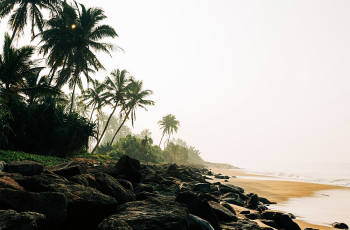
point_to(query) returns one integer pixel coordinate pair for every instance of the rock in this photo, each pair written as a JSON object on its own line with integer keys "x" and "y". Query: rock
{"x": 340, "y": 225}
{"x": 221, "y": 177}
{"x": 174, "y": 171}
{"x": 202, "y": 187}
{"x": 151, "y": 214}
{"x": 86, "y": 206}
{"x": 2, "y": 166}
{"x": 243, "y": 224}
{"x": 269, "y": 223}
{"x": 252, "y": 216}
{"x": 265, "y": 201}
{"x": 7, "y": 182}
{"x": 12, "y": 220}
{"x": 252, "y": 201}
{"x": 26, "y": 168}
{"x": 198, "y": 205}
{"x": 228, "y": 206}
{"x": 130, "y": 168}
{"x": 69, "y": 169}
{"x": 106, "y": 184}
{"x": 112, "y": 223}
{"x": 197, "y": 223}
{"x": 53, "y": 205}
{"x": 231, "y": 188}
{"x": 244, "y": 212}
{"x": 282, "y": 221}
{"x": 126, "y": 184}
{"x": 222, "y": 213}
{"x": 41, "y": 183}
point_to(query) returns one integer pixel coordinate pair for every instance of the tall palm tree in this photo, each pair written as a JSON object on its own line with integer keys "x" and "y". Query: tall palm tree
{"x": 92, "y": 97}
{"x": 23, "y": 10}
{"x": 74, "y": 34}
{"x": 115, "y": 95}
{"x": 16, "y": 66}
{"x": 136, "y": 96}
{"x": 169, "y": 125}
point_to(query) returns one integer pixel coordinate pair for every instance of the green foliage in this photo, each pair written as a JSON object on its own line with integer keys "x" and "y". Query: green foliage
{"x": 45, "y": 128}
{"x": 169, "y": 125}
{"x": 103, "y": 158}
{"x": 141, "y": 149}
{"x": 10, "y": 156}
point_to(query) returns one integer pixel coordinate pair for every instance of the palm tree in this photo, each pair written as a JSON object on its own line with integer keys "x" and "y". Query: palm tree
{"x": 25, "y": 10}
{"x": 92, "y": 97}
{"x": 73, "y": 35}
{"x": 169, "y": 125}
{"x": 15, "y": 67}
{"x": 115, "y": 95}
{"x": 136, "y": 96}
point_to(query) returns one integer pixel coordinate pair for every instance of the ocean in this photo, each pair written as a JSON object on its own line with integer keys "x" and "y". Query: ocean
{"x": 324, "y": 207}
{"x": 323, "y": 173}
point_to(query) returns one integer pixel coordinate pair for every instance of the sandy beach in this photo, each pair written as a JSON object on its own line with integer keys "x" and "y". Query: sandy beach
{"x": 276, "y": 190}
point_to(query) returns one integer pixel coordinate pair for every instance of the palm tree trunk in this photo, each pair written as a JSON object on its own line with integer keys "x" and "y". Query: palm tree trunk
{"x": 52, "y": 72}
{"x": 92, "y": 112}
{"x": 104, "y": 130}
{"x": 161, "y": 139}
{"x": 71, "y": 102}
{"x": 120, "y": 126}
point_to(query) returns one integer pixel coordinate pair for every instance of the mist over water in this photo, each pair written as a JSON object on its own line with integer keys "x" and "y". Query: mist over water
{"x": 324, "y": 173}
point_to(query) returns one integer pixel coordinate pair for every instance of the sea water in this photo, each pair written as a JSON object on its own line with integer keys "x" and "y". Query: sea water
{"x": 323, "y": 173}
{"x": 324, "y": 207}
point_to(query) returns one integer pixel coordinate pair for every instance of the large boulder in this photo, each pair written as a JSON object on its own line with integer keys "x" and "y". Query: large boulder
{"x": 112, "y": 223}
{"x": 53, "y": 205}
{"x": 151, "y": 214}
{"x": 7, "y": 182}
{"x": 197, "y": 223}
{"x": 41, "y": 183}
{"x": 222, "y": 213}
{"x": 281, "y": 220}
{"x": 12, "y": 220}
{"x": 130, "y": 168}
{"x": 26, "y": 168}
{"x": 340, "y": 225}
{"x": 107, "y": 185}
{"x": 198, "y": 205}
{"x": 252, "y": 202}
{"x": 86, "y": 206}
{"x": 69, "y": 169}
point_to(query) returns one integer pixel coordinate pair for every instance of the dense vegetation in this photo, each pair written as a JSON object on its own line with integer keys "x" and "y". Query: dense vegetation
{"x": 38, "y": 116}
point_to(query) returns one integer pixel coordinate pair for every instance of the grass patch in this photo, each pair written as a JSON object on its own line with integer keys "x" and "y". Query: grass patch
{"x": 10, "y": 156}
{"x": 102, "y": 158}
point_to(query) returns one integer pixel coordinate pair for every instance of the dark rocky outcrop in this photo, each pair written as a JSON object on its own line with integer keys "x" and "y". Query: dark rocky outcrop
{"x": 340, "y": 225}
{"x": 222, "y": 213}
{"x": 86, "y": 206}
{"x": 281, "y": 220}
{"x": 112, "y": 223}
{"x": 151, "y": 214}
{"x": 252, "y": 201}
{"x": 130, "y": 168}
{"x": 26, "y": 168}
{"x": 12, "y": 220}
{"x": 197, "y": 223}
{"x": 7, "y": 182}
{"x": 52, "y": 204}
{"x": 198, "y": 205}
{"x": 69, "y": 169}
{"x": 105, "y": 184}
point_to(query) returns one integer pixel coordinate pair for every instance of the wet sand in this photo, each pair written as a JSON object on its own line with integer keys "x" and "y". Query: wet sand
{"x": 274, "y": 189}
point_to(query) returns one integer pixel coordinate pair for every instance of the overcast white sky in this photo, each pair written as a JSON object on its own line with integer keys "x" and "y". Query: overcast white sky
{"x": 250, "y": 81}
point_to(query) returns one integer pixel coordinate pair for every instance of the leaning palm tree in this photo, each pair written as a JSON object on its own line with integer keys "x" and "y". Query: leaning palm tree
{"x": 169, "y": 125}
{"x": 115, "y": 95}
{"x": 22, "y": 11}
{"x": 92, "y": 97}
{"x": 136, "y": 96}
{"x": 73, "y": 36}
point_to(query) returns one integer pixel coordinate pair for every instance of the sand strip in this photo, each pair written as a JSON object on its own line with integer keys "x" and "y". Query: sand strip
{"x": 275, "y": 190}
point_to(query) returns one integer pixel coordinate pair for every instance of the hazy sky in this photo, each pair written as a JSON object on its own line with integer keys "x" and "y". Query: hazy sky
{"x": 250, "y": 81}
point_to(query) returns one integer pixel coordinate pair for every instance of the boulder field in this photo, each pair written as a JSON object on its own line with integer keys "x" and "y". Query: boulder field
{"x": 127, "y": 196}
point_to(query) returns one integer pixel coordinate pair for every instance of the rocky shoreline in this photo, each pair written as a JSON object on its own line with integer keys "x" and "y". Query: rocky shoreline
{"x": 125, "y": 196}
